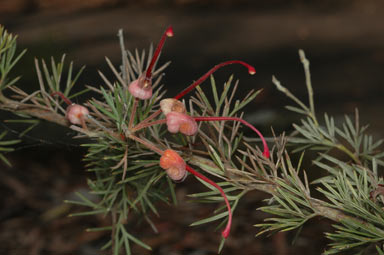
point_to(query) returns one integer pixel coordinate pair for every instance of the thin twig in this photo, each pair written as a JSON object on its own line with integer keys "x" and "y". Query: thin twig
{"x": 308, "y": 82}
{"x": 146, "y": 143}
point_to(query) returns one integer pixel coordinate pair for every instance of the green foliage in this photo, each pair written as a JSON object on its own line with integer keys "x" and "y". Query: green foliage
{"x": 348, "y": 185}
{"x": 8, "y": 58}
{"x": 128, "y": 178}
{"x": 291, "y": 201}
{"x": 228, "y": 135}
{"x": 51, "y": 80}
{"x": 6, "y": 146}
{"x": 349, "y": 190}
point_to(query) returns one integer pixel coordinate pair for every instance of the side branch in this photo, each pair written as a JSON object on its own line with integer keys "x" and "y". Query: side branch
{"x": 319, "y": 207}
{"x": 40, "y": 112}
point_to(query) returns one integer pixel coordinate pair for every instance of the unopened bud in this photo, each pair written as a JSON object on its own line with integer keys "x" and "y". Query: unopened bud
{"x": 174, "y": 165}
{"x": 76, "y": 113}
{"x": 181, "y": 122}
{"x": 171, "y": 105}
{"x": 141, "y": 88}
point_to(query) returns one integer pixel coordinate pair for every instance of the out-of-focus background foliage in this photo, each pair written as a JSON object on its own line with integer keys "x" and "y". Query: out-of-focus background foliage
{"x": 344, "y": 40}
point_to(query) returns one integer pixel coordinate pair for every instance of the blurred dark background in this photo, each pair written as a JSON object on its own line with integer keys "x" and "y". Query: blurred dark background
{"x": 344, "y": 40}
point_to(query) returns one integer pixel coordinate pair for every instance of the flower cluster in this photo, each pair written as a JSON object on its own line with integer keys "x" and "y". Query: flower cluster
{"x": 176, "y": 119}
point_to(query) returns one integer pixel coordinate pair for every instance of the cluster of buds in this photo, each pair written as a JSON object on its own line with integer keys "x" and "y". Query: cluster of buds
{"x": 178, "y": 120}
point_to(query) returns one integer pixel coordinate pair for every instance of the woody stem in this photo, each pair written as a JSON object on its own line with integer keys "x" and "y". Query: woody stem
{"x": 151, "y": 117}
{"x": 148, "y": 124}
{"x": 227, "y": 229}
{"x": 146, "y": 144}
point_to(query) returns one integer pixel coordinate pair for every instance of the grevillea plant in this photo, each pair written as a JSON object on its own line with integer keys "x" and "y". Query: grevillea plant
{"x": 141, "y": 146}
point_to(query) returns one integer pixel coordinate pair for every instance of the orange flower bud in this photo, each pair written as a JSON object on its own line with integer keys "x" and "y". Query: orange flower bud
{"x": 174, "y": 165}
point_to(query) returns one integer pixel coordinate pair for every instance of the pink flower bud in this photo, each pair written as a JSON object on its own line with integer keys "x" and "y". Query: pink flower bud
{"x": 76, "y": 114}
{"x": 174, "y": 165}
{"x": 181, "y": 122}
{"x": 141, "y": 88}
{"x": 171, "y": 105}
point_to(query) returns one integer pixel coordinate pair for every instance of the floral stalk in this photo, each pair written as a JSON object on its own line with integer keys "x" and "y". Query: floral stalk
{"x": 266, "y": 152}
{"x": 227, "y": 229}
{"x": 251, "y": 71}
{"x": 61, "y": 95}
{"x": 168, "y": 33}
{"x": 147, "y": 144}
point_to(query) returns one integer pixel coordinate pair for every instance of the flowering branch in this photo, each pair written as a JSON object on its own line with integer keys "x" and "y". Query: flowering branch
{"x": 138, "y": 158}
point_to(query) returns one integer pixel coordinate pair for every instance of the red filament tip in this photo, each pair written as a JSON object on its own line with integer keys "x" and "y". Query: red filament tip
{"x": 266, "y": 152}
{"x": 225, "y": 232}
{"x": 251, "y": 70}
{"x": 168, "y": 33}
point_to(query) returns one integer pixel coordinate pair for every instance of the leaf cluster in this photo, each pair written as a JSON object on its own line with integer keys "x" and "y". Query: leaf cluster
{"x": 127, "y": 179}
{"x": 6, "y": 146}
{"x": 347, "y": 186}
{"x": 8, "y": 58}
